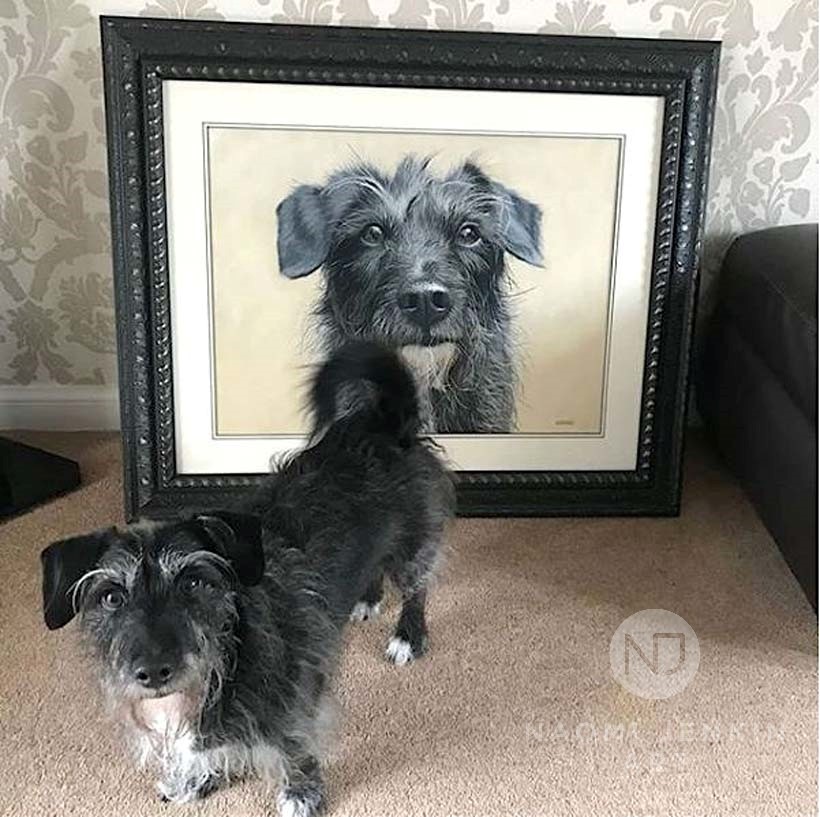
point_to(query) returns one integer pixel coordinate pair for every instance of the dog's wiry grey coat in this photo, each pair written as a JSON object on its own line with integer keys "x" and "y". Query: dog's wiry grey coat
{"x": 416, "y": 261}
{"x": 216, "y": 637}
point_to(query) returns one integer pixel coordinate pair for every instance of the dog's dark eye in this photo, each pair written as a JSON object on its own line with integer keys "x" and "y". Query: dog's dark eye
{"x": 194, "y": 583}
{"x": 468, "y": 235}
{"x": 373, "y": 235}
{"x": 112, "y": 600}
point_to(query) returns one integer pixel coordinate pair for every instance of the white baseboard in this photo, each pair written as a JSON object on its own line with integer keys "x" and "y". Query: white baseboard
{"x": 59, "y": 408}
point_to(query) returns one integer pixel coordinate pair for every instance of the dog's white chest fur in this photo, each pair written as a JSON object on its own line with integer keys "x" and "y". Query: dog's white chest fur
{"x": 429, "y": 364}
{"x": 168, "y": 741}
{"x": 166, "y": 735}
{"x": 164, "y": 716}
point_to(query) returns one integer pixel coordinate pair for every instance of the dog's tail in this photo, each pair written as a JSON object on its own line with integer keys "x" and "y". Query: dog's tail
{"x": 390, "y": 404}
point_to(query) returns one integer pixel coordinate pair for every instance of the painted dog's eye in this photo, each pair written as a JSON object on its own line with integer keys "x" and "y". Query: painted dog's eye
{"x": 468, "y": 235}
{"x": 112, "y": 600}
{"x": 373, "y": 235}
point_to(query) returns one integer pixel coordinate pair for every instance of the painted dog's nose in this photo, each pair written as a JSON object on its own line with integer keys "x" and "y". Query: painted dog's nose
{"x": 425, "y": 306}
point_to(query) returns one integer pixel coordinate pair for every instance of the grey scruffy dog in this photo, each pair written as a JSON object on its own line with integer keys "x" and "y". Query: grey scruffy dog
{"x": 416, "y": 261}
{"x": 215, "y": 637}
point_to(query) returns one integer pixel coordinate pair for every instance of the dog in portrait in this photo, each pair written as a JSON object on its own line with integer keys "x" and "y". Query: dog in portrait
{"x": 416, "y": 262}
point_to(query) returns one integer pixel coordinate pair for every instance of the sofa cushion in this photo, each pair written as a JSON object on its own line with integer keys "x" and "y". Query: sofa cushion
{"x": 767, "y": 441}
{"x": 768, "y": 289}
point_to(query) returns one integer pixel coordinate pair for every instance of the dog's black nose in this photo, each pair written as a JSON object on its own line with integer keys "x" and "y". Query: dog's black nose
{"x": 425, "y": 306}
{"x": 153, "y": 676}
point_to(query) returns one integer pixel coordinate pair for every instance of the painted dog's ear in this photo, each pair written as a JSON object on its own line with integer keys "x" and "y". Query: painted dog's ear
{"x": 303, "y": 231}
{"x": 237, "y": 537}
{"x": 64, "y": 563}
{"x": 520, "y": 225}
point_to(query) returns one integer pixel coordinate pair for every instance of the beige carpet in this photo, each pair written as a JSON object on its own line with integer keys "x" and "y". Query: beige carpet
{"x": 515, "y": 710}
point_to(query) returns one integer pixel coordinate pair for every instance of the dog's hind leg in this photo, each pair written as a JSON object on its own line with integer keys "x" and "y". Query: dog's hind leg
{"x": 411, "y": 573}
{"x": 369, "y": 605}
{"x": 409, "y": 639}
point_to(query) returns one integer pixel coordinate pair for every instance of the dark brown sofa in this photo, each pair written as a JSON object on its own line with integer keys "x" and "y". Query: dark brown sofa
{"x": 757, "y": 384}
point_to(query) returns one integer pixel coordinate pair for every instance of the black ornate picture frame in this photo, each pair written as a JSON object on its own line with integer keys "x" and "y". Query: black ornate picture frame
{"x": 141, "y": 54}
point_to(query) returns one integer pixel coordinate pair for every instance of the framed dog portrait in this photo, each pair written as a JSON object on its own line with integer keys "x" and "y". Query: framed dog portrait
{"x": 518, "y": 217}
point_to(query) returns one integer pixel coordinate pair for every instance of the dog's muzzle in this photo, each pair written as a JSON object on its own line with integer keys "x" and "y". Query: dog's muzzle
{"x": 425, "y": 306}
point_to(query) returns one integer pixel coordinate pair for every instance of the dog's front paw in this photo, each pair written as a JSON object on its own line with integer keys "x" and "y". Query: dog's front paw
{"x": 400, "y": 652}
{"x": 190, "y": 790}
{"x": 175, "y": 794}
{"x": 304, "y": 800}
{"x": 365, "y": 610}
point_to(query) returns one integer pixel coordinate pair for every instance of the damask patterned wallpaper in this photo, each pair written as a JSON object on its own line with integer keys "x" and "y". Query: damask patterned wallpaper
{"x": 56, "y": 311}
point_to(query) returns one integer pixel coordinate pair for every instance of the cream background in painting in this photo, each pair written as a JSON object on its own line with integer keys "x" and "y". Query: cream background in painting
{"x": 57, "y": 330}
{"x": 260, "y": 319}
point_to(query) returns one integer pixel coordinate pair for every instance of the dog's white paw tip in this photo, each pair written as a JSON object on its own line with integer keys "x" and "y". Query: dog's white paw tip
{"x": 363, "y": 611}
{"x": 399, "y": 651}
{"x": 294, "y": 806}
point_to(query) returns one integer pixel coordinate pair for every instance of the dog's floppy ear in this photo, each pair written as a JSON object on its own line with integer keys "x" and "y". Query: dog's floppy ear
{"x": 520, "y": 225}
{"x": 303, "y": 231}
{"x": 64, "y": 564}
{"x": 238, "y": 537}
